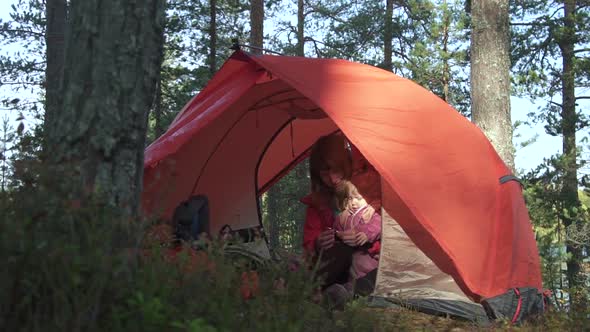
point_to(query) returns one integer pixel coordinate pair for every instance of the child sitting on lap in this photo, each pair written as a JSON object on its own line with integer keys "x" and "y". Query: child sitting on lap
{"x": 356, "y": 215}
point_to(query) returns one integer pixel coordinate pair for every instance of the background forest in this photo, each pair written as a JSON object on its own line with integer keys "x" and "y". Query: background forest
{"x": 64, "y": 144}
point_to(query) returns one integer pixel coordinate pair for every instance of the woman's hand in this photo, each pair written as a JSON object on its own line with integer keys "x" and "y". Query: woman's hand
{"x": 325, "y": 240}
{"x": 352, "y": 238}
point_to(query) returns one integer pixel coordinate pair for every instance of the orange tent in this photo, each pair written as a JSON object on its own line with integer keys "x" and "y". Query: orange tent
{"x": 442, "y": 181}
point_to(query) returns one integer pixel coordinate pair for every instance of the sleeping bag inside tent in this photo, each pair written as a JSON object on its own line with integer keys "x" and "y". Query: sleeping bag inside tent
{"x": 456, "y": 235}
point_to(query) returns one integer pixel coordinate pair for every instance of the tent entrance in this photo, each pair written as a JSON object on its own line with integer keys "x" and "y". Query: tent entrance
{"x": 407, "y": 277}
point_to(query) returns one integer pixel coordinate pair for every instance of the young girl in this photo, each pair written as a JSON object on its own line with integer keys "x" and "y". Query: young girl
{"x": 356, "y": 215}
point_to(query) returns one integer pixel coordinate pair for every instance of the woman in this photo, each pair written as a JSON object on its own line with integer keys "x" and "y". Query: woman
{"x": 330, "y": 163}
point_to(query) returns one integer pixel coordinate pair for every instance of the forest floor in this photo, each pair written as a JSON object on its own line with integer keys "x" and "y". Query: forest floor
{"x": 401, "y": 319}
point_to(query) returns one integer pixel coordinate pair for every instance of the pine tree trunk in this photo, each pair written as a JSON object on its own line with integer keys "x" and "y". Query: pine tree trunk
{"x": 56, "y": 13}
{"x": 303, "y": 185}
{"x": 110, "y": 76}
{"x": 273, "y": 212}
{"x": 490, "y": 78}
{"x": 388, "y": 36}
{"x": 212, "y": 37}
{"x": 157, "y": 107}
{"x": 300, "y": 51}
{"x": 3, "y": 149}
{"x": 568, "y": 124}
{"x": 445, "y": 48}
{"x": 158, "y": 125}
{"x": 257, "y": 25}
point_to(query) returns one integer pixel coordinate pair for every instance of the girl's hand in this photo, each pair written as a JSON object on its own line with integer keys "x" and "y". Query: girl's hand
{"x": 348, "y": 237}
{"x": 360, "y": 238}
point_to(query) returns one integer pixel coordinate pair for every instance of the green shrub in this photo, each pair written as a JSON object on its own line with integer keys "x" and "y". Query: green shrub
{"x": 85, "y": 269}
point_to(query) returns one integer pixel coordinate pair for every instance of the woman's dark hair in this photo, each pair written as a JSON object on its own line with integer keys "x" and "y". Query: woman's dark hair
{"x": 329, "y": 153}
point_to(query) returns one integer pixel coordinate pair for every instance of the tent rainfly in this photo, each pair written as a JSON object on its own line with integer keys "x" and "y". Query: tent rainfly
{"x": 456, "y": 237}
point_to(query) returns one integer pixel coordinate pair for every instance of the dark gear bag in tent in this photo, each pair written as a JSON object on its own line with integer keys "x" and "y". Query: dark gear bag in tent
{"x": 191, "y": 218}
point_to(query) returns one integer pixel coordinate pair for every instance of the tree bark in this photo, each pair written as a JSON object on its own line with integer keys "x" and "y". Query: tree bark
{"x": 388, "y": 36}
{"x": 157, "y": 107}
{"x": 490, "y": 80}
{"x": 5, "y": 141}
{"x": 56, "y": 15}
{"x": 300, "y": 50}
{"x": 158, "y": 125}
{"x": 212, "y": 37}
{"x": 569, "y": 118}
{"x": 109, "y": 85}
{"x": 446, "y": 22}
{"x": 257, "y": 25}
{"x": 272, "y": 198}
{"x": 303, "y": 185}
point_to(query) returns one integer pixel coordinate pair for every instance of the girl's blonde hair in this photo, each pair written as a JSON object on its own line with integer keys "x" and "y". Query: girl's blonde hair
{"x": 344, "y": 192}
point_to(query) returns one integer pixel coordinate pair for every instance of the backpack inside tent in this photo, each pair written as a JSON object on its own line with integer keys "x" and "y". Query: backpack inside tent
{"x": 456, "y": 235}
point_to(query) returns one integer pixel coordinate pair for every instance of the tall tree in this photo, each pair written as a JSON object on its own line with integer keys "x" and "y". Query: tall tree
{"x": 257, "y": 25}
{"x": 6, "y": 142}
{"x": 285, "y": 215}
{"x": 183, "y": 70}
{"x": 187, "y": 59}
{"x": 23, "y": 70}
{"x": 424, "y": 40}
{"x": 300, "y": 49}
{"x": 157, "y": 107}
{"x": 272, "y": 202}
{"x": 212, "y": 37}
{"x": 569, "y": 120}
{"x": 352, "y": 29}
{"x": 299, "y": 178}
{"x": 388, "y": 36}
{"x": 356, "y": 30}
{"x": 438, "y": 60}
{"x": 109, "y": 86}
{"x": 446, "y": 23}
{"x": 55, "y": 13}
{"x": 291, "y": 39}
{"x": 551, "y": 62}
{"x": 22, "y": 77}
{"x": 490, "y": 74}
